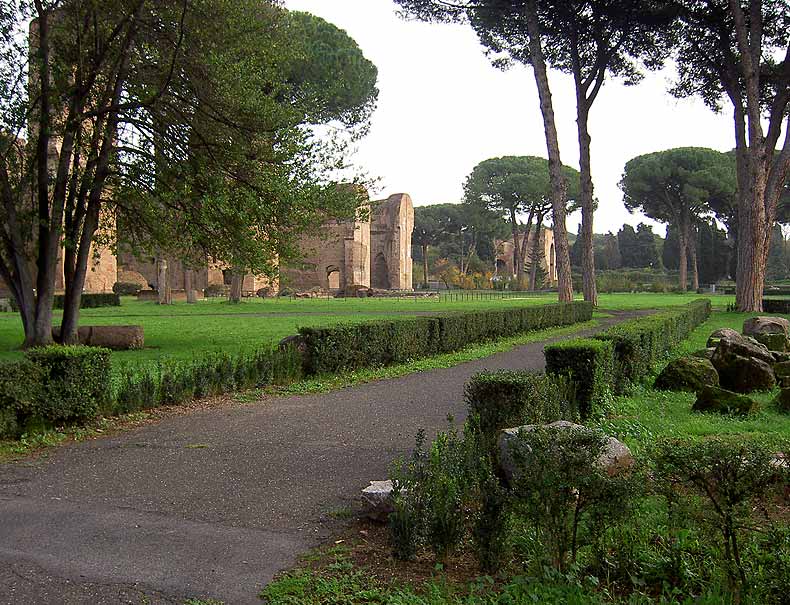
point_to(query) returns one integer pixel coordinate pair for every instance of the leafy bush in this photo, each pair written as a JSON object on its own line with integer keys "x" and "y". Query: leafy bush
{"x": 506, "y": 399}
{"x": 566, "y": 497}
{"x": 588, "y": 364}
{"x": 126, "y": 288}
{"x": 723, "y": 482}
{"x": 348, "y": 347}
{"x": 776, "y": 305}
{"x": 407, "y": 521}
{"x": 20, "y": 395}
{"x": 76, "y": 382}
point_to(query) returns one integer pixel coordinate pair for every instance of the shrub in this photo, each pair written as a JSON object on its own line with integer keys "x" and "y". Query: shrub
{"x": 567, "y": 499}
{"x": 126, "y": 288}
{"x": 588, "y": 364}
{"x": 723, "y": 481}
{"x": 491, "y": 524}
{"x": 214, "y": 290}
{"x": 506, "y": 399}
{"x": 348, "y": 347}
{"x": 20, "y": 395}
{"x": 76, "y": 382}
{"x": 407, "y": 520}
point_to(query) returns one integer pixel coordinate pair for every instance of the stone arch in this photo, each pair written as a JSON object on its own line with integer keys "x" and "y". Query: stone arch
{"x": 380, "y": 274}
{"x": 333, "y": 277}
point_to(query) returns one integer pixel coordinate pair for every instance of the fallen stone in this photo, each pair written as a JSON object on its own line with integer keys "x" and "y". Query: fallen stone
{"x": 705, "y": 353}
{"x": 296, "y": 341}
{"x": 757, "y": 326}
{"x": 687, "y": 374}
{"x": 117, "y": 338}
{"x": 615, "y": 458}
{"x": 378, "y": 496}
{"x": 782, "y": 401}
{"x": 742, "y": 346}
{"x": 782, "y": 373}
{"x": 774, "y": 342}
{"x": 745, "y": 374}
{"x": 721, "y": 401}
{"x": 716, "y": 337}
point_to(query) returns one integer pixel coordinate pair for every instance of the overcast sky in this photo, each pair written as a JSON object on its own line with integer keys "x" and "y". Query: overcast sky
{"x": 443, "y": 109}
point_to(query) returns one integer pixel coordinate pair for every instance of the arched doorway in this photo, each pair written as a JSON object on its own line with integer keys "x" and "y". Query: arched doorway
{"x": 380, "y": 277}
{"x": 333, "y": 278}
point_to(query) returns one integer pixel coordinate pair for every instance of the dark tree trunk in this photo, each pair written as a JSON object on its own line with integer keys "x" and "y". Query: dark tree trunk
{"x": 425, "y": 266}
{"x": 692, "y": 247}
{"x": 535, "y": 254}
{"x": 189, "y": 286}
{"x": 236, "y": 285}
{"x": 558, "y": 184}
{"x": 683, "y": 245}
{"x": 587, "y": 203}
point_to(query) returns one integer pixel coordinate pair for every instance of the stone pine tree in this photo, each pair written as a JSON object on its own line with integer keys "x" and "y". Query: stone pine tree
{"x": 676, "y": 186}
{"x": 468, "y": 11}
{"x": 738, "y": 52}
{"x": 591, "y": 40}
{"x": 514, "y": 187}
{"x": 186, "y": 119}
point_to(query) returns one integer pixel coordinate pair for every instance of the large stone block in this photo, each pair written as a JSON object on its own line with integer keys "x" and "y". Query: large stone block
{"x": 117, "y": 338}
{"x": 687, "y": 374}
{"x": 722, "y": 401}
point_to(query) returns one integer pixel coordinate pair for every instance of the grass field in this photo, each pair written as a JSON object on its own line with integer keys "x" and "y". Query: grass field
{"x": 183, "y": 331}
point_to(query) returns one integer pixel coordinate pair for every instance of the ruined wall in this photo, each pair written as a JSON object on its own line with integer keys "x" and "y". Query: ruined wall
{"x": 335, "y": 259}
{"x": 391, "y": 231}
{"x": 506, "y": 262}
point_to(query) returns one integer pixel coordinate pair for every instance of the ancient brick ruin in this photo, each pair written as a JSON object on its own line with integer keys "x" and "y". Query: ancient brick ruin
{"x": 505, "y": 259}
{"x": 372, "y": 251}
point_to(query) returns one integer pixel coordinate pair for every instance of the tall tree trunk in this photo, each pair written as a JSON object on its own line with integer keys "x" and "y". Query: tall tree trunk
{"x": 535, "y": 254}
{"x": 754, "y": 239}
{"x": 75, "y": 278}
{"x": 236, "y": 285}
{"x": 683, "y": 239}
{"x": 425, "y": 267}
{"x": 692, "y": 248}
{"x": 518, "y": 259}
{"x": 558, "y": 184}
{"x": 189, "y": 286}
{"x": 587, "y": 201}
{"x": 163, "y": 282}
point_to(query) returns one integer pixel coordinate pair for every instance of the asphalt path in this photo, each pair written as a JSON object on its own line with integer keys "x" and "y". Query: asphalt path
{"x": 213, "y": 504}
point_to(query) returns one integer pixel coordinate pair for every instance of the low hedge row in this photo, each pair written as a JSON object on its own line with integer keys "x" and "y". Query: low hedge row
{"x": 53, "y": 385}
{"x": 60, "y": 385}
{"x": 776, "y": 305}
{"x": 619, "y": 357}
{"x": 348, "y": 347}
{"x": 87, "y": 301}
{"x": 177, "y": 382}
{"x": 505, "y": 399}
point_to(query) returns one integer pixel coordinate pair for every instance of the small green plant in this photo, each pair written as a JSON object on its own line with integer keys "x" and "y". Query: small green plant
{"x": 407, "y": 520}
{"x": 728, "y": 481}
{"x": 563, "y": 493}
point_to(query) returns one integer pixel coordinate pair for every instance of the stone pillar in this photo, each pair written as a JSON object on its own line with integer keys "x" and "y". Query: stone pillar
{"x": 189, "y": 286}
{"x": 236, "y": 284}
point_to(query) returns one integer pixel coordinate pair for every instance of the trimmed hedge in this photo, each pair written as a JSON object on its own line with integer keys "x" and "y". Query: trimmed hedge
{"x": 641, "y": 342}
{"x": 776, "y": 305}
{"x": 588, "y": 363}
{"x": 506, "y": 399}
{"x": 622, "y": 355}
{"x": 21, "y": 392}
{"x": 175, "y": 383}
{"x": 76, "y": 382}
{"x": 348, "y": 347}
{"x": 87, "y": 301}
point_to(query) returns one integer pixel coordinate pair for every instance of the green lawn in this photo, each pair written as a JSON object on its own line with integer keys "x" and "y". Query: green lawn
{"x": 183, "y": 331}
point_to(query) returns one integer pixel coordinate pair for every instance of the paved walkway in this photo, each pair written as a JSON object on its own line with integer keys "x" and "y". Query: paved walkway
{"x": 214, "y": 503}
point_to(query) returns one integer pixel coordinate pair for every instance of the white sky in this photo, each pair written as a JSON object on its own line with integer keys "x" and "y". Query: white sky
{"x": 443, "y": 109}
